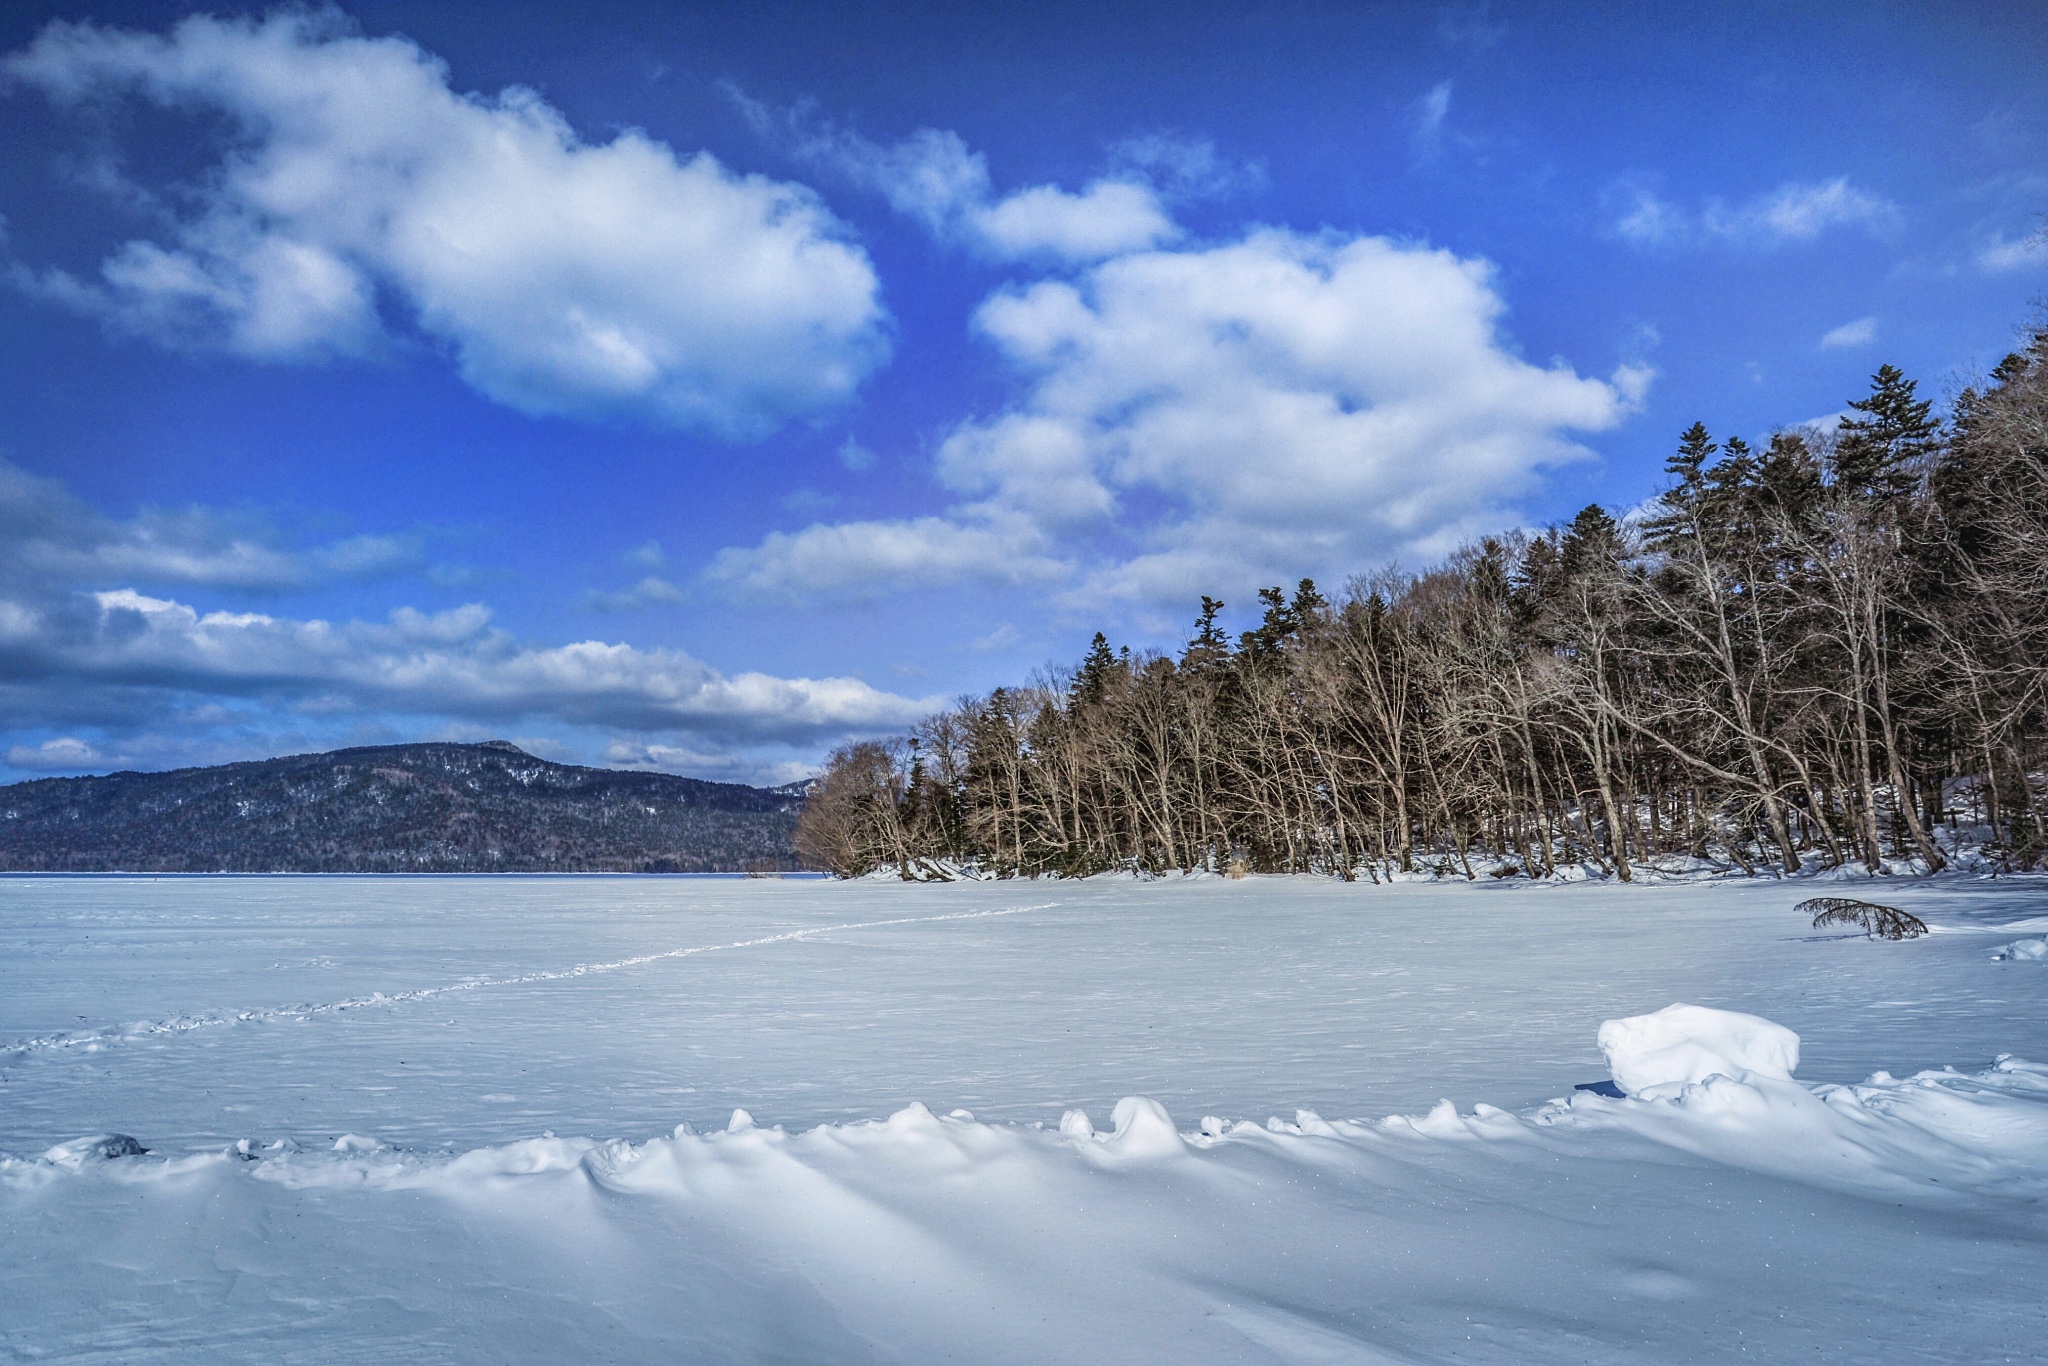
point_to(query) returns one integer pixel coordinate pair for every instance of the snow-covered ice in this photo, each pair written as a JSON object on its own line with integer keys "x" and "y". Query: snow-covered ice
{"x": 683, "y": 1119}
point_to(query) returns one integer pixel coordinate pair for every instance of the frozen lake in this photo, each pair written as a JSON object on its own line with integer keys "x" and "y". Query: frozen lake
{"x": 440, "y": 1027}
{"x": 1237, "y": 999}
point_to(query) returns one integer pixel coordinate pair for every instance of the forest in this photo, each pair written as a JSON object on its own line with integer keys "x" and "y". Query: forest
{"x": 1829, "y": 650}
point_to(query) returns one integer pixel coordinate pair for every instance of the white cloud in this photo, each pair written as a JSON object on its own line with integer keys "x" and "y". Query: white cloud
{"x": 1651, "y": 221}
{"x": 49, "y": 537}
{"x": 1429, "y": 114}
{"x": 1281, "y": 405}
{"x": 1184, "y": 168}
{"x": 96, "y": 672}
{"x": 649, "y": 592}
{"x": 934, "y": 177}
{"x": 757, "y": 769}
{"x": 451, "y": 663}
{"x": 1861, "y": 332}
{"x": 63, "y": 754}
{"x": 1004, "y": 637}
{"x": 2004, "y": 253}
{"x": 1797, "y": 211}
{"x": 1106, "y": 219}
{"x": 597, "y": 281}
{"x": 861, "y": 559}
{"x": 1800, "y": 213}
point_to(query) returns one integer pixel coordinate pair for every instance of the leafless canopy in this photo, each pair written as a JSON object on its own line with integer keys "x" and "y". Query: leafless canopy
{"x": 1829, "y": 650}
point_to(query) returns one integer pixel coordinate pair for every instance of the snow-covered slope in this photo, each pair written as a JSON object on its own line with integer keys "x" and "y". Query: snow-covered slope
{"x": 345, "y": 1088}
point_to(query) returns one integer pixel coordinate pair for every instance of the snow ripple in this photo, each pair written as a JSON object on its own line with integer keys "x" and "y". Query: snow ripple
{"x": 91, "y": 1040}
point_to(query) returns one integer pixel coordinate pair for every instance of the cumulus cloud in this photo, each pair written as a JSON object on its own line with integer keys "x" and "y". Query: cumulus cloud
{"x": 616, "y": 280}
{"x": 48, "y": 536}
{"x": 863, "y": 559}
{"x": 452, "y": 663}
{"x": 1797, "y": 211}
{"x": 1861, "y": 332}
{"x": 651, "y": 590}
{"x": 96, "y": 672}
{"x": 1279, "y": 405}
{"x": 934, "y": 177}
{"x": 1108, "y": 217}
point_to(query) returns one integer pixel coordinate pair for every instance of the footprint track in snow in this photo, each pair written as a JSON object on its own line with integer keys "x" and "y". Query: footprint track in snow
{"x": 93, "y": 1039}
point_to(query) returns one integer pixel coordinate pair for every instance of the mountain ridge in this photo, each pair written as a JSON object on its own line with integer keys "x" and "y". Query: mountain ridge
{"x": 426, "y": 807}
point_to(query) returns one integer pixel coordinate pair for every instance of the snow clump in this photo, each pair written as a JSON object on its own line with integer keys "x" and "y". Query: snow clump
{"x": 93, "y": 1148}
{"x": 1656, "y": 1056}
{"x": 2022, "y": 949}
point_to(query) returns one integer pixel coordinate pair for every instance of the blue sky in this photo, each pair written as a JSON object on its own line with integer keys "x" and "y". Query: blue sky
{"x": 696, "y": 387}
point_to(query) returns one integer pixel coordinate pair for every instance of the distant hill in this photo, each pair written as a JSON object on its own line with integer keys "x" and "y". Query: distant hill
{"x": 429, "y": 808}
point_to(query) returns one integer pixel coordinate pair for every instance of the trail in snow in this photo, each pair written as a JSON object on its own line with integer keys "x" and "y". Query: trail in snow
{"x": 93, "y": 1039}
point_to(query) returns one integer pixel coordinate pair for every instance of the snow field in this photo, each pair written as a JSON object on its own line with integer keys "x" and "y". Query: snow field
{"x": 1724, "y": 1210}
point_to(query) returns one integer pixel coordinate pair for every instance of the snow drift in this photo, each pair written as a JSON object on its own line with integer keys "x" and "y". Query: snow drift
{"x": 1443, "y": 1236}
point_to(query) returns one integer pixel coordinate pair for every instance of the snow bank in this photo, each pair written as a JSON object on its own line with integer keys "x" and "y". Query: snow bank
{"x": 2023, "y": 950}
{"x": 1654, "y": 1055}
{"x": 921, "y": 1237}
{"x": 1718, "y": 1084}
{"x": 1937, "y": 1136}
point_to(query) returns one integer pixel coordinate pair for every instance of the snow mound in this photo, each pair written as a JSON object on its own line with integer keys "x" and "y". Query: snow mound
{"x": 1680, "y": 1045}
{"x": 1935, "y": 1135}
{"x": 93, "y": 1148}
{"x": 1143, "y": 1129}
{"x": 2021, "y": 950}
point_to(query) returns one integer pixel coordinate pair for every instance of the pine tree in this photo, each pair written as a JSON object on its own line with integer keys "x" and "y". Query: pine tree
{"x": 1091, "y": 684}
{"x": 1875, "y": 454}
{"x": 1680, "y": 503}
{"x": 1690, "y": 459}
{"x": 1590, "y": 542}
{"x": 1264, "y": 640}
{"x": 1308, "y": 604}
{"x": 1209, "y": 646}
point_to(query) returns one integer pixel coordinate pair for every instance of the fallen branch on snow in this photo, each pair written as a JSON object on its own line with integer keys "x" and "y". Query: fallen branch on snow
{"x": 1879, "y": 922}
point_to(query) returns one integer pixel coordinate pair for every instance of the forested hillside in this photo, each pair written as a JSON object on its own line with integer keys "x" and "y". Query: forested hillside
{"x": 1825, "y": 648}
{"x": 427, "y": 808}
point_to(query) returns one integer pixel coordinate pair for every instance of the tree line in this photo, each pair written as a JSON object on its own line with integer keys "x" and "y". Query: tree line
{"x": 1834, "y": 647}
